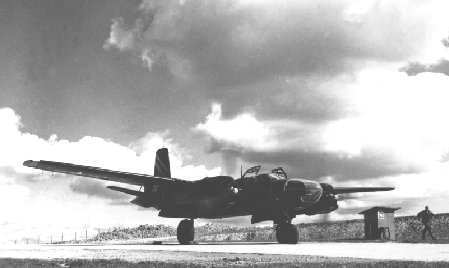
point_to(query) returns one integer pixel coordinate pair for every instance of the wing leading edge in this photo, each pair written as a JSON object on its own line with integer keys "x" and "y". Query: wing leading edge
{"x": 102, "y": 174}
{"x": 348, "y": 190}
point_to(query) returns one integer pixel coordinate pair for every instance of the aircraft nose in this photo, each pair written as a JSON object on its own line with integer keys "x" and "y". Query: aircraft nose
{"x": 30, "y": 163}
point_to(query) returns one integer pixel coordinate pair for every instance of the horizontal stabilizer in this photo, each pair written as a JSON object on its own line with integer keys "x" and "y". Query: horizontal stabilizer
{"x": 348, "y": 190}
{"x": 124, "y": 190}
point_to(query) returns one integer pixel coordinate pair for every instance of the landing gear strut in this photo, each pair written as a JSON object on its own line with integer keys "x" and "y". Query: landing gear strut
{"x": 286, "y": 233}
{"x": 185, "y": 232}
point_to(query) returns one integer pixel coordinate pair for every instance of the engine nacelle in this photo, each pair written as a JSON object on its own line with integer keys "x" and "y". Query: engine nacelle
{"x": 300, "y": 194}
{"x": 327, "y": 202}
{"x": 286, "y": 199}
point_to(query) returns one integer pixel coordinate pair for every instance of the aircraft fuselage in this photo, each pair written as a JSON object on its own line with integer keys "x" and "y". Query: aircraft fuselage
{"x": 265, "y": 197}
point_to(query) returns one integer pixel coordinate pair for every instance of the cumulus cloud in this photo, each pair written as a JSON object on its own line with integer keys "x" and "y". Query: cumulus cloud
{"x": 445, "y": 42}
{"x": 120, "y": 38}
{"x": 414, "y": 68}
{"x": 437, "y": 66}
{"x": 31, "y": 199}
{"x": 138, "y": 157}
{"x": 233, "y": 42}
{"x": 398, "y": 129}
{"x": 283, "y": 59}
{"x": 12, "y": 193}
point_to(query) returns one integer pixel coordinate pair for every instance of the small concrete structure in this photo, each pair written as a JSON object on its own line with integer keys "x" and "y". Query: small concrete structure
{"x": 379, "y": 223}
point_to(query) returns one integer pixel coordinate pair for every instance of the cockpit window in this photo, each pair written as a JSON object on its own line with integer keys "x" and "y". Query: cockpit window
{"x": 280, "y": 172}
{"x": 251, "y": 172}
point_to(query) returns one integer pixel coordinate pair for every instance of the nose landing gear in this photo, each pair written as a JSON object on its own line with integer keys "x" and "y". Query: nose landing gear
{"x": 185, "y": 232}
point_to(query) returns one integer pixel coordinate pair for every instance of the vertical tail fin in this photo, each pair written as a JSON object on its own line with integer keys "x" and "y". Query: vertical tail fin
{"x": 162, "y": 164}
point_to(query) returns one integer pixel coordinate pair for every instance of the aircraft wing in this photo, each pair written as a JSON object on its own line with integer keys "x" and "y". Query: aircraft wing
{"x": 348, "y": 190}
{"x": 102, "y": 174}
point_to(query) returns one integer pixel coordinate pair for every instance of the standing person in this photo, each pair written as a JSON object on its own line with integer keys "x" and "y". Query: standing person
{"x": 426, "y": 217}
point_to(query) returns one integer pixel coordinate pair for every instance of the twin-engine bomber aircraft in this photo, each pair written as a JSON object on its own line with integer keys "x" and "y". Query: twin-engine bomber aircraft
{"x": 267, "y": 196}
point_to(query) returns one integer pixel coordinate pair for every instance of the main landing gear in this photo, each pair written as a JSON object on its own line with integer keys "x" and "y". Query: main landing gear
{"x": 286, "y": 233}
{"x": 185, "y": 232}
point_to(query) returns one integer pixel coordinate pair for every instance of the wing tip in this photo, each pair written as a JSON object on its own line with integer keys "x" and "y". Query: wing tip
{"x": 31, "y": 163}
{"x": 388, "y": 188}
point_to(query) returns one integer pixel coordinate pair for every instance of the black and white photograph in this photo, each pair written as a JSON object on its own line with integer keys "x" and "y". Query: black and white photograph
{"x": 224, "y": 133}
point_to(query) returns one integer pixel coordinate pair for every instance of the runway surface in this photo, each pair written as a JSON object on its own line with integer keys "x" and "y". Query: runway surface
{"x": 137, "y": 252}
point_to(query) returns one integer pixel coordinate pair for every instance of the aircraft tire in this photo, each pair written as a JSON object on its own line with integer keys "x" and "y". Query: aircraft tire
{"x": 185, "y": 232}
{"x": 286, "y": 233}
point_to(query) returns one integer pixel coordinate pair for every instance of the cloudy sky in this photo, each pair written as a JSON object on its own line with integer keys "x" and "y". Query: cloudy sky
{"x": 353, "y": 93}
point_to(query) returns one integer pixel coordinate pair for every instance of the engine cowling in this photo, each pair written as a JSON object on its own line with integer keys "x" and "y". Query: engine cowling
{"x": 299, "y": 193}
{"x": 327, "y": 202}
{"x": 215, "y": 194}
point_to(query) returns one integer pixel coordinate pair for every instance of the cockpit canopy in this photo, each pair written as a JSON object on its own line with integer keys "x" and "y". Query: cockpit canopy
{"x": 251, "y": 177}
{"x": 267, "y": 177}
{"x": 251, "y": 172}
{"x": 275, "y": 174}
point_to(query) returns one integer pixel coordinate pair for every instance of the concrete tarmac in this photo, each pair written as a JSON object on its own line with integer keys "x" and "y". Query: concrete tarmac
{"x": 137, "y": 252}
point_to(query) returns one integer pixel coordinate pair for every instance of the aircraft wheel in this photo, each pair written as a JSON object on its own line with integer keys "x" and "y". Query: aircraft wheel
{"x": 286, "y": 233}
{"x": 185, "y": 232}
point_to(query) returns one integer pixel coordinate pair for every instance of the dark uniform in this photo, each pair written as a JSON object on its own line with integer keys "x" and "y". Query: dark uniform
{"x": 426, "y": 217}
